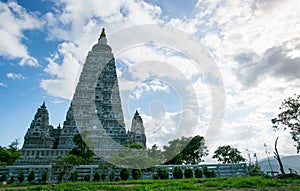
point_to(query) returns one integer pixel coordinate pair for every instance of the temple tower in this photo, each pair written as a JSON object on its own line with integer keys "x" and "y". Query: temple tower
{"x": 137, "y": 134}
{"x": 38, "y": 135}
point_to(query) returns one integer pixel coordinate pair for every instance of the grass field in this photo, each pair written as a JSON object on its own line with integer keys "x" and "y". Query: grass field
{"x": 245, "y": 183}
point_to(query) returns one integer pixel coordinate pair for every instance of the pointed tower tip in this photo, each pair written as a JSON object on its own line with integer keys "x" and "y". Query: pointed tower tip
{"x": 44, "y": 105}
{"x": 103, "y": 33}
{"x": 136, "y": 112}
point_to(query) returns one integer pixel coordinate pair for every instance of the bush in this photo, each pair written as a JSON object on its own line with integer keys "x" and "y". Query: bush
{"x": 60, "y": 176}
{"x": 96, "y": 177}
{"x": 12, "y": 179}
{"x": 198, "y": 173}
{"x": 44, "y": 177}
{"x": 163, "y": 174}
{"x": 112, "y": 176}
{"x": 30, "y": 177}
{"x": 74, "y": 176}
{"x": 155, "y": 176}
{"x": 177, "y": 173}
{"x": 87, "y": 178}
{"x": 3, "y": 178}
{"x": 103, "y": 176}
{"x": 209, "y": 173}
{"x": 188, "y": 173}
{"x": 21, "y": 177}
{"x": 124, "y": 174}
{"x": 136, "y": 174}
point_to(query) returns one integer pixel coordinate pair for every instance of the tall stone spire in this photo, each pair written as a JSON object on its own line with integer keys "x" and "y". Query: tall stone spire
{"x": 38, "y": 135}
{"x": 137, "y": 134}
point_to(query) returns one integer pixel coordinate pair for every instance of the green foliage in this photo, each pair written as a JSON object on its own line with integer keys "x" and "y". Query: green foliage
{"x": 9, "y": 155}
{"x": 21, "y": 177}
{"x": 96, "y": 176}
{"x": 87, "y": 178}
{"x": 155, "y": 176}
{"x": 185, "y": 150}
{"x": 44, "y": 177}
{"x": 111, "y": 176}
{"x": 3, "y": 178}
{"x": 198, "y": 173}
{"x": 209, "y": 173}
{"x": 60, "y": 176}
{"x": 82, "y": 150}
{"x": 74, "y": 176}
{"x": 124, "y": 174}
{"x": 31, "y": 176}
{"x": 188, "y": 173}
{"x": 133, "y": 145}
{"x": 136, "y": 174}
{"x": 163, "y": 173}
{"x": 12, "y": 179}
{"x": 289, "y": 118}
{"x": 227, "y": 154}
{"x": 255, "y": 170}
{"x": 177, "y": 173}
{"x": 103, "y": 177}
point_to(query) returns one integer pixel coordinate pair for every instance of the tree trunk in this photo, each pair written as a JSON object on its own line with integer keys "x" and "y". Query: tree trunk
{"x": 277, "y": 157}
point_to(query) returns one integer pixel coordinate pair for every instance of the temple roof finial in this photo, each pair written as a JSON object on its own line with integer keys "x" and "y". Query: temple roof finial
{"x": 44, "y": 105}
{"x": 103, "y": 33}
{"x": 136, "y": 112}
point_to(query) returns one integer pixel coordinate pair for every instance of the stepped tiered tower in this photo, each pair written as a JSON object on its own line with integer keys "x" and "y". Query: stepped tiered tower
{"x": 137, "y": 134}
{"x": 104, "y": 127}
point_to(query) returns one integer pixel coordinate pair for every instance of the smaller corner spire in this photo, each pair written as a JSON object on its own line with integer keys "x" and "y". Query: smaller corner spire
{"x": 103, "y": 33}
{"x": 44, "y": 105}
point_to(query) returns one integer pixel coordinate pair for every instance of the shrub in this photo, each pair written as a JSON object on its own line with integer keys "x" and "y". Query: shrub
{"x": 96, "y": 177}
{"x": 103, "y": 176}
{"x": 44, "y": 177}
{"x": 198, "y": 173}
{"x": 60, "y": 176}
{"x": 188, "y": 173}
{"x": 3, "y": 178}
{"x": 30, "y": 177}
{"x": 87, "y": 178}
{"x": 177, "y": 173}
{"x": 124, "y": 174}
{"x": 74, "y": 176}
{"x": 112, "y": 176}
{"x": 155, "y": 176}
{"x": 136, "y": 174}
{"x": 213, "y": 174}
{"x": 163, "y": 174}
{"x": 21, "y": 177}
{"x": 12, "y": 179}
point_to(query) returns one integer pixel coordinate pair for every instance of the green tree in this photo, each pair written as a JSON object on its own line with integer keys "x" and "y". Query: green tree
{"x": 289, "y": 118}
{"x": 3, "y": 178}
{"x": 31, "y": 176}
{"x": 188, "y": 173}
{"x": 163, "y": 173}
{"x": 82, "y": 150}
{"x": 74, "y": 176}
{"x": 124, "y": 174}
{"x": 185, "y": 150}
{"x": 227, "y": 154}
{"x": 66, "y": 166}
{"x": 198, "y": 173}
{"x": 44, "y": 177}
{"x": 21, "y": 177}
{"x": 96, "y": 177}
{"x": 177, "y": 173}
{"x": 136, "y": 174}
{"x": 87, "y": 178}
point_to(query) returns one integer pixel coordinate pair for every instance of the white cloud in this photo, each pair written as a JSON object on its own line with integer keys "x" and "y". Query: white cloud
{"x": 15, "y": 76}
{"x": 14, "y": 20}
{"x": 3, "y": 85}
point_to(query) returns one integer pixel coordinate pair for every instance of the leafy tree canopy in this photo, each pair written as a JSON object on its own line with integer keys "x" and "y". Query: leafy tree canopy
{"x": 10, "y": 154}
{"x": 289, "y": 118}
{"x": 187, "y": 150}
{"x": 227, "y": 154}
{"x": 82, "y": 150}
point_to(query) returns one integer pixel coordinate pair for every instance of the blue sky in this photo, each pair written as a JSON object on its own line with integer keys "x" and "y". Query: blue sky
{"x": 255, "y": 45}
